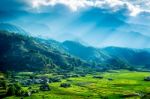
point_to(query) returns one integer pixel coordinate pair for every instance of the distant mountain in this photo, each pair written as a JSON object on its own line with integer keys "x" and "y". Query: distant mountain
{"x": 120, "y": 38}
{"x": 12, "y": 28}
{"x": 133, "y": 57}
{"x": 19, "y": 52}
{"x": 99, "y": 29}
{"x": 85, "y": 52}
{"x": 137, "y": 57}
{"x": 138, "y": 39}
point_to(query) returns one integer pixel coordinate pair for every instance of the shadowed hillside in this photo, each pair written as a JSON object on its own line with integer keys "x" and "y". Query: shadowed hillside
{"x": 20, "y": 52}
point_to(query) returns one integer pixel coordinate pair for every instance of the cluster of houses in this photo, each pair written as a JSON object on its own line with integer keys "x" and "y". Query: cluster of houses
{"x": 45, "y": 80}
{"x": 40, "y": 80}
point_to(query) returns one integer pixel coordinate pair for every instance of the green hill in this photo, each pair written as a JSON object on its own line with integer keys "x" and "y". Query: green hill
{"x": 20, "y": 52}
{"x": 24, "y": 53}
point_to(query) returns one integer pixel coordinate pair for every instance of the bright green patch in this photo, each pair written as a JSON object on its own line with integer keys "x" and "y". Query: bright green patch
{"x": 124, "y": 84}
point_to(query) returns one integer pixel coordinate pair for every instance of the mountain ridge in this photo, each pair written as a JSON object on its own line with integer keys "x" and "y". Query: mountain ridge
{"x": 37, "y": 54}
{"x": 12, "y": 28}
{"x": 28, "y": 53}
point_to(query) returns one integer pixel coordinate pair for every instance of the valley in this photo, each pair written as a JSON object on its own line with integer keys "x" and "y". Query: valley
{"x": 113, "y": 84}
{"x": 33, "y": 67}
{"x": 74, "y": 49}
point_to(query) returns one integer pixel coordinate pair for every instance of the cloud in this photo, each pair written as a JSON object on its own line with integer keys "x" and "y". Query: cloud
{"x": 134, "y": 6}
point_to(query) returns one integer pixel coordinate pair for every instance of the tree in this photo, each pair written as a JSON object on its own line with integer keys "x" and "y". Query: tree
{"x": 18, "y": 89}
{"x": 3, "y": 83}
{"x": 14, "y": 89}
{"x": 17, "y": 86}
{"x": 65, "y": 85}
{"x": 11, "y": 90}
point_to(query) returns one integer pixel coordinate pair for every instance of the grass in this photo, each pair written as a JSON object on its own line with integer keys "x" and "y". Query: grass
{"x": 125, "y": 84}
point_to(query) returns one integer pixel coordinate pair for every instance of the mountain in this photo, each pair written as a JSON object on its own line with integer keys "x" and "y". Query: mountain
{"x": 20, "y": 53}
{"x": 12, "y": 28}
{"x": 24, "y": 53}
{"x": 122, "y": 40}
{"x": 135, "y": 57}
{"x": 99, "y": 59}
{"x": 109, "y": 55}
{"x": 99, "y": 29}
{"x": 85, "y": 52}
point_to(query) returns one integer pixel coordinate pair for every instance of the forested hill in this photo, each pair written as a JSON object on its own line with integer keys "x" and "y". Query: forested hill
{"x": 24, "y": 53}
{"x": 18, "y": 52}
{"x": 134, "y": 57}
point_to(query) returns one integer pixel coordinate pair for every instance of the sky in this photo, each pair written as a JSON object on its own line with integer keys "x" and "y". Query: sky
{"x": 98, "y": 23}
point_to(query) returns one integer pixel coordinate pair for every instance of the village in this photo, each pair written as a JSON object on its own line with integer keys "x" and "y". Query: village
{"x": 25, "y": 84}
{"x": 28, "y": 80}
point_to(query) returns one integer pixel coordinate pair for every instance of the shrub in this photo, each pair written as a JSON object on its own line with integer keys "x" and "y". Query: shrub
{"x": 3, "y": 84}
{"x": 65, "y": 85}
{"x": 17, "y": 86}
{"x": 110, "y": 79}
{"x": 99, "y": 77}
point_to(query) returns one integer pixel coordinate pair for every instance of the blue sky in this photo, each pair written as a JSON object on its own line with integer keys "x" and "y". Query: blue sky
{"x": 97, "y": 23}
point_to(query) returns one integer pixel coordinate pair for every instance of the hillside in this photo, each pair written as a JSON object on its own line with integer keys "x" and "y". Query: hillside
{"x": 35, "y": 54}
{"x": 20, "y": 52}
{"x": 129, "y": 56}
{"x": 137, "y": 57}
{"x": 85, "y": 52}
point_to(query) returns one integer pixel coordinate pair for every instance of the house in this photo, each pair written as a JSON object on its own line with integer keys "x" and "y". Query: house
{"x": 37, "y": 81}
{"x": 45, "y": 80}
